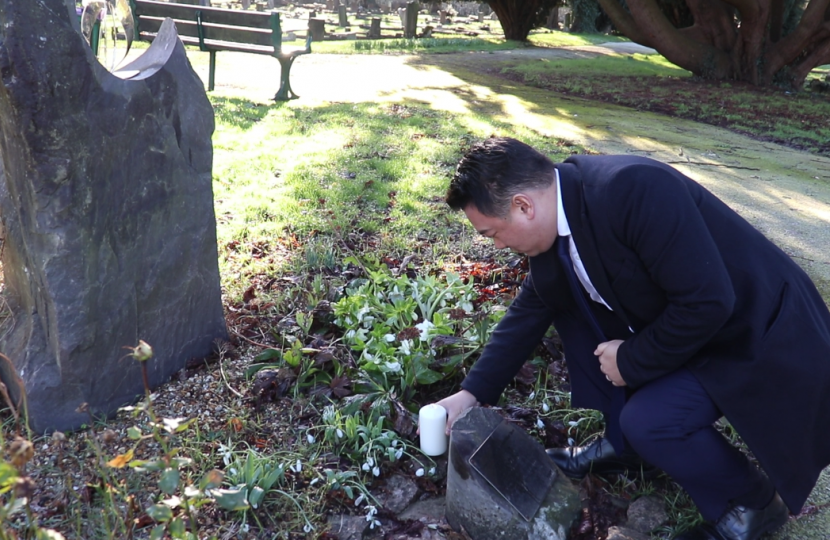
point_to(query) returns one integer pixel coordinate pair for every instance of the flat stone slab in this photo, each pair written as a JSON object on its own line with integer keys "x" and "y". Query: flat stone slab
{"x": 496, "y": 486}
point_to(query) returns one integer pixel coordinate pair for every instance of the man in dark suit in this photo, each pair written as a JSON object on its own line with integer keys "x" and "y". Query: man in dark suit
{"x": 673, "y": 311}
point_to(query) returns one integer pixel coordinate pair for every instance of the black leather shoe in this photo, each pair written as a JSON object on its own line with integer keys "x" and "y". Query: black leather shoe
{"x": 598, "y": 458}
{"x": 742, "y": 523}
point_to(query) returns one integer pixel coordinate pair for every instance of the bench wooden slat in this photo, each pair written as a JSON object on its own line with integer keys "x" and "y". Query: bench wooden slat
{"x": 213, "y": 32}
{"x": 236, "y": 17}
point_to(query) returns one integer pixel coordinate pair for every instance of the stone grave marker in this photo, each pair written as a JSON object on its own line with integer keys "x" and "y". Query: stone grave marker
{"x": 342, "y": 16}
{"x": 410, "y": 19}
{"x": 502, "y": 485}
{"x": 107, "y": 213}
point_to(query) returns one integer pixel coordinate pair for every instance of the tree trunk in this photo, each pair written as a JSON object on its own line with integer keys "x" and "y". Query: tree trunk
{"x": 748, "y": 40}
{"x": 519, "y": 17}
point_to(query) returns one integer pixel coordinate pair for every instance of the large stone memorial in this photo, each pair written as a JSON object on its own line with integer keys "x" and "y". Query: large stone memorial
{"x": 501, "y": 485}
{"x": 107, "y": 212}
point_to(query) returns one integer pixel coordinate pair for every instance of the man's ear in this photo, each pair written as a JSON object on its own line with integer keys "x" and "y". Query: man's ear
{"x": 525, "y": 205}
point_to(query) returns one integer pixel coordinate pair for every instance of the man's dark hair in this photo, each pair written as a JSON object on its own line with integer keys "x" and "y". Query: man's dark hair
{"x": 493, "y": 171}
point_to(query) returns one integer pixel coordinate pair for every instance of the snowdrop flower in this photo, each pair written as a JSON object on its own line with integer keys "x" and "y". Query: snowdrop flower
{"x": 539, "y": 423}
{"x": 573, "y": 424}
{"x": 399, "y": 453}
{"x": 394, "y": 443}
{"x": 297, "y": 467}
{"x": 466, "y": 306}
{"x": 389, "y": 338}
{"x": 374, "y": 523}
{"x": 227, "y": 454}
{"x": 370, "y": 512}
{"x": 570, "y": 441}
{"x": 359, "y": 499}
{"x": 393, "y": 367}
{"x": 419, "y": 472}
{"x": 376, "y": 470}
{"x": 406, "y": 346}
{"x": 245, "y": 527}
{"x": 339, "y": 433}
{"x": 531, "y": 396}
{"x": 314, "y": 481}
{"x": 545, "y": 407}
{"x": 366, "y": 467}
{"x": 349, "y": 334}
{"x": 310, "y": 438}
{"x": 232, "y": 470}
{"x": 308, "y": 528}
{"x": 328, "y": 414}
{"x": 424, "y": 327}
{"x": 370, "y": 461}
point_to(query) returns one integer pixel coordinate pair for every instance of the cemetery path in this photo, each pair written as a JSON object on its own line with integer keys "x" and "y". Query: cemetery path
{"x": 783, "y": 192}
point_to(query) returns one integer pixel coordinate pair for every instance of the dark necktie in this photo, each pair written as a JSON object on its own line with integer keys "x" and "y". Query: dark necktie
{"x": 612, "y": 418}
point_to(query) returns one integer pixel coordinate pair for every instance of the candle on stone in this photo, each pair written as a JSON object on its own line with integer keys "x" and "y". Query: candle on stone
{"x": 432, "y": 420}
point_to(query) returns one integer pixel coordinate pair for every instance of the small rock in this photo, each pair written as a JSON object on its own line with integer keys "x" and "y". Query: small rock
{"x": 624, "y": 533}
{"x": 646, "y": 514}
{"x": 345, "y": 527}
{"x": 397, "y": 494}
{"x": 428, "y": 511}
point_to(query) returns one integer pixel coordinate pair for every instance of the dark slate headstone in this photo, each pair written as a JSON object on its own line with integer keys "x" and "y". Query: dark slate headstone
{"x": 515, "y": 493}
{"x": 107, "y": 210}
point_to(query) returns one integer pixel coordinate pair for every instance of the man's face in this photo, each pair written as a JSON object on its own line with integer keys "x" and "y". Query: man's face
{"x": 522, "y": 230}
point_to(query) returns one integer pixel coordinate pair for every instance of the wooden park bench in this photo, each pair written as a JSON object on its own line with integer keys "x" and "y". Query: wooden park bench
{"x": 216, "y": 29}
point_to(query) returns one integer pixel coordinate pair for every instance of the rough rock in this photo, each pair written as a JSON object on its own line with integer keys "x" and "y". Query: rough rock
{"x": 347, "y": 527}
{"x": 397, "y": 493}
{"x": 428, "y": 510}
{"x": 646, "y": 514}
{"x": 107, "y": 210}
{"x": 486, "y": 513}
{"x": 624, "y": 533}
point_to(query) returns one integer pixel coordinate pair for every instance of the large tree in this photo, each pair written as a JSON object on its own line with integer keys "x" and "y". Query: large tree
{"x": 758, "y": 41}
{"x": 519, "y": 17}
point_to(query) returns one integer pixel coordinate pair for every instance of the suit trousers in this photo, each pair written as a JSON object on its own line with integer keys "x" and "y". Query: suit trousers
{"x": 669, "y": 423}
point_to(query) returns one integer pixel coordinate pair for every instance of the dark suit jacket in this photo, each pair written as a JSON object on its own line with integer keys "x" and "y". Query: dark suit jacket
{"x": 700, "y": 288}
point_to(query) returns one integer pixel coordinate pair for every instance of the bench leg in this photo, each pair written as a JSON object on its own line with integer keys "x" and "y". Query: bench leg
{"x": 285, "y": 93}
{"x": 212, "y": 71}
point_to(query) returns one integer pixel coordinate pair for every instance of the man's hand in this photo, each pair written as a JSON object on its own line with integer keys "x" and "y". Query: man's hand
{"x": 607, "y": 354}
{"x": 457, "y": 404}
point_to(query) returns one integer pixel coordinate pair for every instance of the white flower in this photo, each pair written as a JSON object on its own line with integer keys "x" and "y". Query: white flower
{"x": 389, "y": 338}
{"x": 376, "y": 470}
{"x": 374, "y": 523}
{"x": 232, "y": 470}
{"x": 573, "y": 424}
{"x": 394, "y": 443}
{"x": 393, "y": 367}
{"x": 399, "y": 453}
{"x": 531, "y": 396}
{"x": 328, "y": 414}
{"x": 545, "y": 407}
{"x": 419, "y": 472}
{"x": 366, "y": 467}
{"x": 539, "y": 423}
{"x": 314, "y": 481}
{"x": 432, "y": 471}
{"x": 370, "y": 512}
{"x": 310, "y": 438}
{"x": 370, "y": 461}
{"x": 424, "y": 327}
{"x": 570, "y": 441}
{"x": 308, "y": 528}
{"x": 245, "y": 527}
{"x": 466, "y": 306}
{"x": 339, "y": 433}
{"x": 349, "y": 334}
{"x": 406, "y": 346}
{"x": 359, "y": 499}
{"x": 297, "y": 467}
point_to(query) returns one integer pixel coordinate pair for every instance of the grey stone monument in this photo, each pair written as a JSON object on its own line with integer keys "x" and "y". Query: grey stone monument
{"x": 107, "y": 212}
{"x": 410, "y": 22}
{"x": 501, "y": 485}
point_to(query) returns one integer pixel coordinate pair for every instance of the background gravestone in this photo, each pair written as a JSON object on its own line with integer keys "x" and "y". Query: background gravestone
{"x": 489, "y": 498}
{"x": 107, "y": 212}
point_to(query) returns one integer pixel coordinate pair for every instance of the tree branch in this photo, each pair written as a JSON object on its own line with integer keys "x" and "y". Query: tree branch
{"x": 790, "y": 47}
{"x": 624, "y": 22}
{"x": 696, "y": 56}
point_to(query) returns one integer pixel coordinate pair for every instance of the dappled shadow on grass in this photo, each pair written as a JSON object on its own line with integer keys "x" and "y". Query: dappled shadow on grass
{"x": 794, "y": 119}
{"x": 240, "y": 112}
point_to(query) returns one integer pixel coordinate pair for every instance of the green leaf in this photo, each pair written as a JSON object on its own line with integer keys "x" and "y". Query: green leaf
{"x": 268, "y": 354}
{"x": 134, "y": 433}
{"x": 8, "y": 474}
{"x": 169, "y": 481}
{"x": 256, "y": 368}
{"x": 160, "y": 513}
{"x": 157, "y": 533}
{"x": 176, "y": 528}
{"x": 255, "y": 496}
{"x": 235, "y": 499}
{"x": 211, "y": 479}
{"x": 144, "y": 465}
{"x": 428, "y": 376}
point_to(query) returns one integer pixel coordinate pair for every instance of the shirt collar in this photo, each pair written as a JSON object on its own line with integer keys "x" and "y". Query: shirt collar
{"x": 562, "y": 227}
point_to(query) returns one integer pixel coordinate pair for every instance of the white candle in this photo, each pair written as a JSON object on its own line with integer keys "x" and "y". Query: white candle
{"x": 432, "y": 420}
